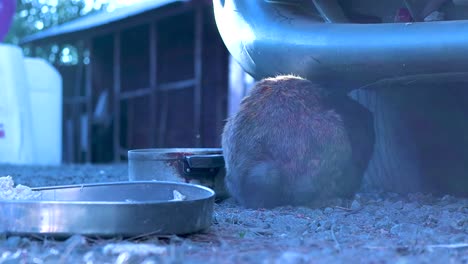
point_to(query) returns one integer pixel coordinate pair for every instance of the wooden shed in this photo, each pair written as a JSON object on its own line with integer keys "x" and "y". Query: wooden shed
{"x": 155, "y": 74}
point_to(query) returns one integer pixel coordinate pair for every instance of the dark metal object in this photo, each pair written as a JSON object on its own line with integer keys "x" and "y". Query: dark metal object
{"x": 205, "y": 161}
{"x": 203, "y": 166}
{"x": 268, "y": 39}
{"x": 192, "y": 165}
{"x": 110, "y": 209}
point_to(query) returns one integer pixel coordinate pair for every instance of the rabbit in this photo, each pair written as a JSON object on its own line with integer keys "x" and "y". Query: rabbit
{"x": 289, "y": 144}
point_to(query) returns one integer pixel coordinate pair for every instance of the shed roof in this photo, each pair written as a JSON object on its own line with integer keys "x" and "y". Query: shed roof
{"x": 99, "y": 19}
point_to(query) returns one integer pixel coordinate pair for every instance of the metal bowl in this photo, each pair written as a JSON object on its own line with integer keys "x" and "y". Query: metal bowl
{"x": 109, "y": 209}
{"x": 204, "y": 166}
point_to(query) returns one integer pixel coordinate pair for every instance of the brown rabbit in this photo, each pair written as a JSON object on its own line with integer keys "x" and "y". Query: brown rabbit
{"x": 289, "y": 145}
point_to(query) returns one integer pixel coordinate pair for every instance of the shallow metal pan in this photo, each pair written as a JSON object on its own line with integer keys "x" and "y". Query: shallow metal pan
{"x": 110, "y": 209}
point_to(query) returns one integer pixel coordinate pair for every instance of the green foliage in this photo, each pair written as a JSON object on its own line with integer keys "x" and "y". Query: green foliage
{"x": 35, "y": 15}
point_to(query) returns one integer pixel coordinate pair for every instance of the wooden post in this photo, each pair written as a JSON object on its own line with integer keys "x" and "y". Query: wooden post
{"x": 75, "y": 115}
{"x": 153, "y": 81}
{"x": 198, "y": 75}
{"x": 116, "y": 97}
{"x": 89, "y": 101}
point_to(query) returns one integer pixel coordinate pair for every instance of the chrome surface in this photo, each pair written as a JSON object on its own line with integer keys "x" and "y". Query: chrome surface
{"x": 330, "y": 11}
{"x": 165, "y": 153}
{"x": 204, "y": 166}
{"x": 281, "y": 37}
{"x": 110, "y": 209}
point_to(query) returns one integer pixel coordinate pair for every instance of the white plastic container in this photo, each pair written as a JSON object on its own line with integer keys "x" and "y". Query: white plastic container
{"x": 16, "y": 141}
{"x": 45, "y": 92}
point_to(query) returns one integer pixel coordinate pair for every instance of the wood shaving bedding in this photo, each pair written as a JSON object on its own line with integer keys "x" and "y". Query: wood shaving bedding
{"x": 178, "y": 196}
{"x": 8, "y": 191}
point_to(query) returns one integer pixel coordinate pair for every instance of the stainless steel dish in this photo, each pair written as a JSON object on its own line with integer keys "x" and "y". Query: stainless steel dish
{"x": 204, "y": 166}
{"x": 110, "y": 209}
